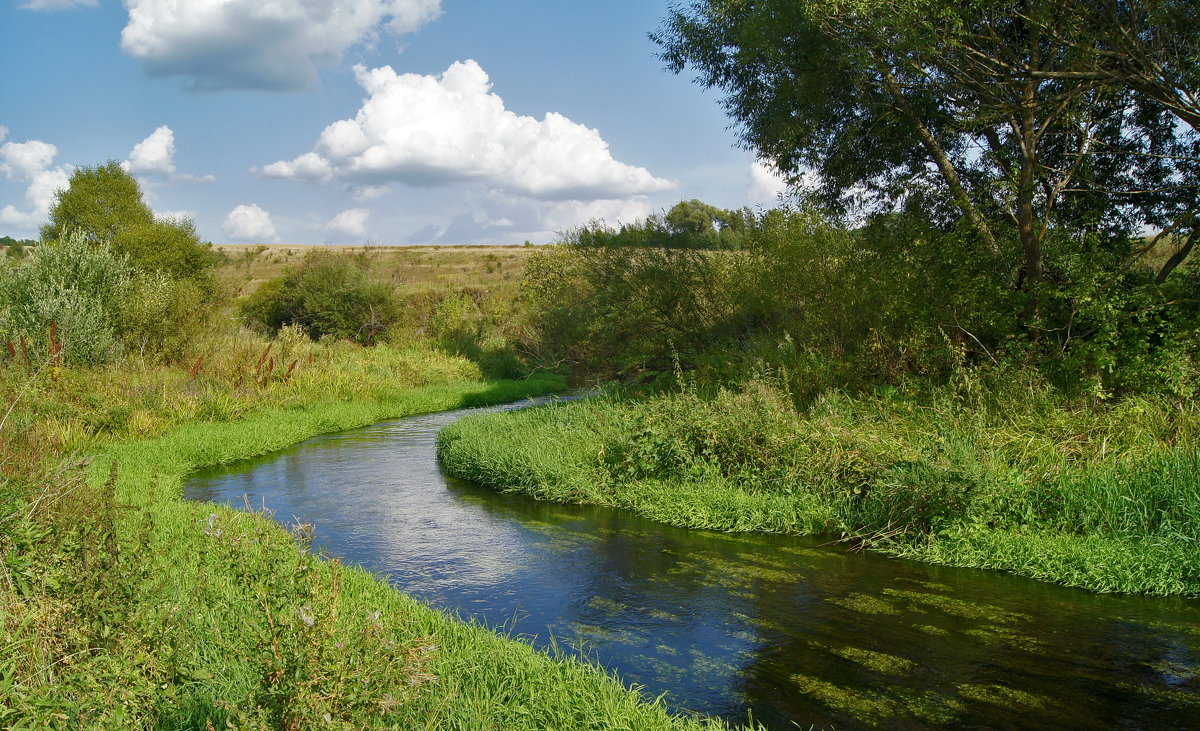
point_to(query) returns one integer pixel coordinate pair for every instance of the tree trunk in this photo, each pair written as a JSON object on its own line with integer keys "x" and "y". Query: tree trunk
{"x": 1031, "y": 239}
{"x": 940, "y": 158}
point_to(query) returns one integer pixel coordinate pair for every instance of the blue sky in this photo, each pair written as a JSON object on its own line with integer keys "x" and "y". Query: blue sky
{"x": 346, "y": 121}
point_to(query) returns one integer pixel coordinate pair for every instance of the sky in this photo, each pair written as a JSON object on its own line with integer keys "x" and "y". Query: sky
{"x": 363, "y": 121}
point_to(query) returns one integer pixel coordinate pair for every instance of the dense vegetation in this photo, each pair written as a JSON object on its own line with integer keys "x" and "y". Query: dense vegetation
{"x": 125, "y": 366}
{"x": 958, "y": 344}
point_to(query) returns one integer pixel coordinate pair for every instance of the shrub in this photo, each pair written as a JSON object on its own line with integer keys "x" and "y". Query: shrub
{"x": 171, "y": 247}
{"x": 328, "y": 295}
{"x": 72, "y": 285}
{"x": 163, "y": 316}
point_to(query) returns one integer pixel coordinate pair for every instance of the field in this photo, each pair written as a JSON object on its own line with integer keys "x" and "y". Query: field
{"x": 410, "y": 268}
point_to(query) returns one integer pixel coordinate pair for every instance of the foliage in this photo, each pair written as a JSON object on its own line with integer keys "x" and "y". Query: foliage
{"x": 90, "y": 300}
{"x": 998, "y": 469}
{"x": 326, "y": 295}
{"x": 1015, "y": 125}
{"x": 99, "y": 201}
{"x": 896, "y": 297}
{"x": 16, "y": 249}
{"x": 623, "y": 308}
{"x": 104, "y": 204}
{"x": 170, "y": 247}
{"x": 164, "y": 316}
{"x": 70, "y": 291}
{"x": 690, "y": 224}
{"x": 472, "y": 324}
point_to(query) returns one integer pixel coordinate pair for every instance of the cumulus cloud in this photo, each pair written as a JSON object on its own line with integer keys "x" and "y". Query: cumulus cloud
{"x": 433, "y": 130}
{"x": 155, "y": 156}
{"x": 250, "y": 44}
{"x": 249, "y": 223}
{"x": 30, "y": 163}
{"x": 351, "y": 222}
{"x": 766, "y": 184}
{"x": 309, "y": 167}
{"x": 58, "y": 4}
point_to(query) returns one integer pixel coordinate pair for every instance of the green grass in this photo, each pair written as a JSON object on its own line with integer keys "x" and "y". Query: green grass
{"x": 152, "y": 612}
{"x": 1002, "y": 473}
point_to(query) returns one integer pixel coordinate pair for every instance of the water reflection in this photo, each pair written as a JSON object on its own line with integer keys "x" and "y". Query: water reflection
{"x": 723, "y": 624}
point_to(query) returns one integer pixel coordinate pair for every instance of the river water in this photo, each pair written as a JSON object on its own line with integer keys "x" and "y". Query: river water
{"x": 794, "y": 632}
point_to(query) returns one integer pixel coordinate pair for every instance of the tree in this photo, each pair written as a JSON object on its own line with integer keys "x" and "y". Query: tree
{"x": 1150, "y": 48}
{"x": 100, "y": 202}
{"x": 104, "y": 204}
{"x": 977, "y": 111}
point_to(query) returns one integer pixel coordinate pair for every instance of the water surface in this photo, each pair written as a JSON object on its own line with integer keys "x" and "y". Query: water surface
{"x": 794, "y": 632}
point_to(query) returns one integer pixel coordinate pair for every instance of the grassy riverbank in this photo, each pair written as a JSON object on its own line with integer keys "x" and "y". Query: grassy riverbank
{"x": 994, "y": 471}
{"x": 126, "y": 607}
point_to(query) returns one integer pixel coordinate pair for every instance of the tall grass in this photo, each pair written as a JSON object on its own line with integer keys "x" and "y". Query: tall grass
{"x": 996, "y": 470}
{"x": 158, "y": 613}
{"x": 121, "y": 606}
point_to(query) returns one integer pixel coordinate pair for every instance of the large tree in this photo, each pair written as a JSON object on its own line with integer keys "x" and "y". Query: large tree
{"x": 104, "y": 204}
{"x": 991, "y": 114}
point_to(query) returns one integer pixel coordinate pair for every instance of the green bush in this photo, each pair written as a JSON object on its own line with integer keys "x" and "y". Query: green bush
{"x": 472, "y": 324}
{"x": 171, "y": 247}
{"x": 73, "y": 287}
{"x": 163, "y": 316}
{"x": 621, "y": 309}
{"x": 856, "y": 308}
{"x": 329, "y": 296}
{"x": 104, "y": 205}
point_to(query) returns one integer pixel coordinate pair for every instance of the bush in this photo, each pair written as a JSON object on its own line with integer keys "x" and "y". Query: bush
{"x": 329, "y": 296}
{"x": 163, "y": 316}
{"x": 627, "y": 308}
{"x": 171, "y": 247}
{"x": 69, "y": 285}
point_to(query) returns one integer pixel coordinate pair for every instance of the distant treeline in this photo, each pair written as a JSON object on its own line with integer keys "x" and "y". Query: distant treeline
{"x": 690, "y": 224}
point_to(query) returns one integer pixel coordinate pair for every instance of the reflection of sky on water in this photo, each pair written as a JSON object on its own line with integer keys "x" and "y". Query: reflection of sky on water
{"x": 798, "y": 632}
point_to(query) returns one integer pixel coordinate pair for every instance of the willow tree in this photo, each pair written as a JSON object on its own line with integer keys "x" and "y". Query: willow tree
{"x": 996, "y": 110}
{"x": 1152, "y": 48}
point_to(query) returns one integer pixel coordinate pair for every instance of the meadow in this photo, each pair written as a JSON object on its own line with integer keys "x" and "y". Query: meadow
{"x": 126, "y": 607}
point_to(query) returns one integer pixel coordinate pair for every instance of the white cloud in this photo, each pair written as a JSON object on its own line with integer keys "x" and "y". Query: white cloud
{"x": 366, "y": 193}
{"x": 766, "y": 184}
{"x": 155, "y": 156}
{"x": 20, "y": 161}
{"x": 30, "y": 163}
{"x": 433, "y": 130}
{"x": 497, "y": 218}
{"x": 351, "y": 222}
{"x": 309, "y": 167}
{"x": 252, "y": 44}
{"x": 249, "y": 223}
{"x": 58, "y": 4}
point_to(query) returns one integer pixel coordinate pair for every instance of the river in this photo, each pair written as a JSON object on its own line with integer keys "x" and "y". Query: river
{"x": 789, "y": 630}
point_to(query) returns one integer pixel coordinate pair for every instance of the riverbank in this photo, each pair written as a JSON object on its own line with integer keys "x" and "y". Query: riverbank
{"x": 999, "y": 472}
{"x": 128, "y": 607}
